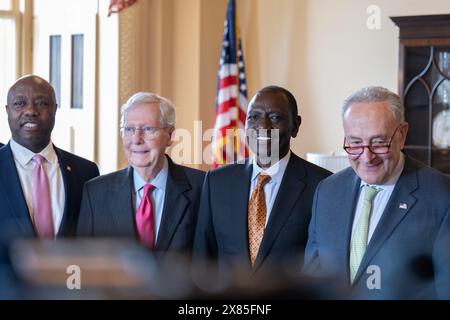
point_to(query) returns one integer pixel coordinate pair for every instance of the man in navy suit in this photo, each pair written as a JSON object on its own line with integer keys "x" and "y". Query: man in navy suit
{"x": 226, "y": 231}
{"x": 31, "y": 109}
{"x": 381, "y": 229}
{"x": 111, "y": 203}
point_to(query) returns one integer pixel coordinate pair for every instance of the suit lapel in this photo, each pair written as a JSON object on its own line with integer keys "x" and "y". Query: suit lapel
{"x": 66, "y": 171}
{"x": 290, "y": 190}
{"x": 122, "y": 203}
{"x": 348, "y": 197}
{"x": 12, "y": 189}
{"x": 175, "y": 204}
{"x": 239, "y": 191}
{"x": 399, "y": 204}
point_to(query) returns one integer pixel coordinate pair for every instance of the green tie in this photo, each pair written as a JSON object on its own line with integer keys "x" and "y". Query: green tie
{"x": 359, "y": 239}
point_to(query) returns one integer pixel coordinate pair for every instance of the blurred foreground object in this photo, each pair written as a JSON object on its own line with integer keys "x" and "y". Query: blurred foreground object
{"x": 99, "y": 269}
{"x": 120, "y": 269}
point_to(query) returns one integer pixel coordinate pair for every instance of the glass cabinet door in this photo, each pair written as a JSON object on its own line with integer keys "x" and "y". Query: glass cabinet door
{"x": 427, "y": 104}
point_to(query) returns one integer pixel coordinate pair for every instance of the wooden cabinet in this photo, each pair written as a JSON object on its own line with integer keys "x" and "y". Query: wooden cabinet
{"x": 424, "y": 84}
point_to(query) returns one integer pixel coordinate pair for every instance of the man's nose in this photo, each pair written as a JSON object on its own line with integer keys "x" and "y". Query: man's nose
{"x": 137, "y": 137}
{"x": 30, "y": 109}
{"x": 264, "y": 123}
{"x": 367, "y": 154}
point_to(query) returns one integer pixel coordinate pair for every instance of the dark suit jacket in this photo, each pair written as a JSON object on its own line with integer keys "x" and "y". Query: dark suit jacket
{"x": 107, "y": 208}
{"x": 409, "y": 244}
{"x": 15, "y": 220}
{"x": 1, "y": 144}
{"x": 222, "y": 232}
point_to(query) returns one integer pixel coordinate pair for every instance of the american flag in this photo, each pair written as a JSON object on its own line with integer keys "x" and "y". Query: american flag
{"x": 115, "y": 6}
{"x": 231, "y": 103}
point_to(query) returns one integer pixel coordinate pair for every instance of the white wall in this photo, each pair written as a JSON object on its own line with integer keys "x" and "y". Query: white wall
{"x": 107, "y": 126}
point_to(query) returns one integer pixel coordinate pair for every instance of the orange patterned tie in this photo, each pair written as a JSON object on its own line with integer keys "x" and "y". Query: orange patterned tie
{"x": 257, "y": 212}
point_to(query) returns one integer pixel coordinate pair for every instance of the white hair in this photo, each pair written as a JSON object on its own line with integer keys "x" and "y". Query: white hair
{"x": 377, "y": 94}
{"x": 166, "y": 107}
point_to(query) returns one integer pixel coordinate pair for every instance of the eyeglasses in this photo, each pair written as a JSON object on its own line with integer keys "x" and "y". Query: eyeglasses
{"x": 378, "y": 148}
{"x": 147, "y": 131}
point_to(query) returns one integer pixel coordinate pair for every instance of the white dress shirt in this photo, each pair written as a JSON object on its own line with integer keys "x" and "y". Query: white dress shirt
{"x": 23, "y": 159}
{"x": 276, "y": 173}
{"x": 158, "y": 194}
{"x": 379, "y": 202}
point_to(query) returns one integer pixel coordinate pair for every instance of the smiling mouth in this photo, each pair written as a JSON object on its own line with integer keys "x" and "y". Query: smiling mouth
{"x": 372, "y": 166}
{"x": 30, "y": 125}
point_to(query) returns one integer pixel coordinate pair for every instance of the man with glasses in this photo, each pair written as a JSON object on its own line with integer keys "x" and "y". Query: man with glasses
{"x": 381, "y": 229}
{"x": 154, "y": 200}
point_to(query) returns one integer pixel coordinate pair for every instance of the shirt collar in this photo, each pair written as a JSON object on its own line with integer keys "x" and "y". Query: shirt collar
{"x": 24, "y": 155}
{"x": 393, "y": 180}
{"x": 159, "y": 182}
{"x": 275, "y": 172}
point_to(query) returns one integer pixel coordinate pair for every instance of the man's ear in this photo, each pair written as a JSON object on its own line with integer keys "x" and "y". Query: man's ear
{"x": 171, "y": 131}
{"x": 404, "y": 131}
{"x": 297, "y": 123}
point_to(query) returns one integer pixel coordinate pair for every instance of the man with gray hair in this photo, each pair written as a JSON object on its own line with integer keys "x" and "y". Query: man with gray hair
{"x": 154, "y": 200}
{"x": 381, "y": 229}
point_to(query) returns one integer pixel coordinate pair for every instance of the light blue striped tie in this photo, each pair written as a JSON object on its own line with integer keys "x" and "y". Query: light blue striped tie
{"x": 359, "y": 239}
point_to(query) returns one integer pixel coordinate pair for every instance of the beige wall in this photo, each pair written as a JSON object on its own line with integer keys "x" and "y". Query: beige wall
{"x": 175, "y": 45}
{"x": 322, "y": 51}
{"x": 186, "y": 67}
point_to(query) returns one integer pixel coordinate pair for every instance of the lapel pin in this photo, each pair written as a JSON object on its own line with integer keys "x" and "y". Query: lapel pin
{"x": 69, "y": 168}
{"x": 403, "y": 206}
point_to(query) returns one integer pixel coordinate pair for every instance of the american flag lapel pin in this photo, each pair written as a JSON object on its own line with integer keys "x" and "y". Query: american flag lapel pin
{"x": 403, "y": 206}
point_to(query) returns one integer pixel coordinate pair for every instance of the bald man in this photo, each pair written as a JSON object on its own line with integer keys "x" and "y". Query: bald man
{"x": 40, "y": 184}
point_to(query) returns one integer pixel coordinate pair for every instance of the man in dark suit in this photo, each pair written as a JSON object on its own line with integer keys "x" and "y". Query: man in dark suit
{"x": 26, "y": 208}
{"x": 256, "y": 214}
{"x": 381, "y": 229}
{"x": 113, "y": 205}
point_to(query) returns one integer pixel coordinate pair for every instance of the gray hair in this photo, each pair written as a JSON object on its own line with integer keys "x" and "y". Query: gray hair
{"x": 377, "y": 94}
{"x": 166, "y": 107}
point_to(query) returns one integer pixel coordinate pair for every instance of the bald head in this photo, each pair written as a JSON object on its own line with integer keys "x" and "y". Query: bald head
{"x": 31, "y": 109}
{"x": 31, "y": 79}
